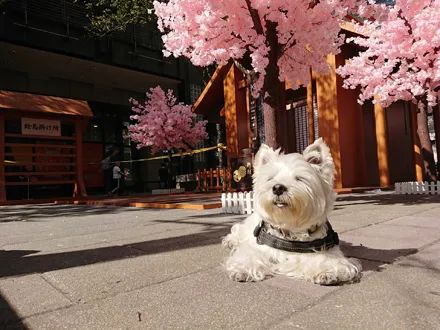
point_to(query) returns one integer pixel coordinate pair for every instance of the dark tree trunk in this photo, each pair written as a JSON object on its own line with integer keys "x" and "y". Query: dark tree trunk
{"x": 426, "y": 146}
{"x": 436, "y": 114}
{"x": 272, "y": 98}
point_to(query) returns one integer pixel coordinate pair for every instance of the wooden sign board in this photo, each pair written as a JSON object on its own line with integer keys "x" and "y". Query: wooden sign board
{"x": 43, "y": 127}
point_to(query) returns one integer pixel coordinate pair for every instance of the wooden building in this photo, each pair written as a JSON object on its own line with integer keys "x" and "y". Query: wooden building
{"x": 371, "y": 146}
{"x": 41, "y": 145}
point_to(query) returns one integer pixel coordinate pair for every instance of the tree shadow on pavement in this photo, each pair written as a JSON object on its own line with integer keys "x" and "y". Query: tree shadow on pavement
{"x": 9, "y": 319}
{"x": 373, "y": 259}
{"x": 20, "y": 262}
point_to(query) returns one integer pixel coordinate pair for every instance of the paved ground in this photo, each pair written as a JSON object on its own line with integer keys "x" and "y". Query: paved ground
{"x": 80, "y": 267}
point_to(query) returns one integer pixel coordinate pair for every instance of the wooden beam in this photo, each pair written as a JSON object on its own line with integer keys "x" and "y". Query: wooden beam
{"x": 382, "y": 146}
{"x": 80, "y": 188}
{"x": 310, "y": 118}
{"x": 2, "y": 157}
{"x": 328, "y": 117}
{"x": 417, "y": 149}
{"x": 229, "y": 89}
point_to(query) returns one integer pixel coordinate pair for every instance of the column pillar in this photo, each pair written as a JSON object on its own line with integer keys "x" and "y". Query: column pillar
{"x": 417, "y": 149}
{"x": 382, "y": 146}
{"x": 2, "y": 158}
{"x": 80, "y": 189}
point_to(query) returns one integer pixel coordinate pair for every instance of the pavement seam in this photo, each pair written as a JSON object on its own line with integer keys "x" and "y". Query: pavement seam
{"x": 48, "y": 281}
{"x": 104, "y": 241}
{"x": 74, "y": 304}
{"x": 394, "y": 263}
{"x": 387, "y": 220}
{"x": 305, "y": 308}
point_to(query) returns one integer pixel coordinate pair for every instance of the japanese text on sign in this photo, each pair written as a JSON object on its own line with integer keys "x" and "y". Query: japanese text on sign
{"x": 33, "y": 126}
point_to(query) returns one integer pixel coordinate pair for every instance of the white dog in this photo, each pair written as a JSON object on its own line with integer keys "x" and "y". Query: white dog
{"x": 289, "y": 232}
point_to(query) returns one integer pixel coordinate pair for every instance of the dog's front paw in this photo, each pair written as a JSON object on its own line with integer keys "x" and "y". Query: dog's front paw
{"x": 327, "y": 278}
{"x": 240, "y": 277}
{"x": 344, "y": 272}
{"x": 230, "y": 242}
{"x": 245, "y": 276}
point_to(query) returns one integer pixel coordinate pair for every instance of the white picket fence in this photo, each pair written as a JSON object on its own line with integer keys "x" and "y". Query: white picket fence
{"x": 238, "y": 203}
{"x": 413, "y": 188}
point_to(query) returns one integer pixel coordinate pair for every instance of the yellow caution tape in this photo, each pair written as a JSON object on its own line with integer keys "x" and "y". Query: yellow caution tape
{"x": 197, "y": 151}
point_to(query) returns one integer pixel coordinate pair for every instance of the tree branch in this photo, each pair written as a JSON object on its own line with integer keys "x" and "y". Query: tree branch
{"x": 255, "y": 18}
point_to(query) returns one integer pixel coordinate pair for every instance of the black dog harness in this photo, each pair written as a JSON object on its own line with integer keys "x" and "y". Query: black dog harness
{"x": 321, "y": 244}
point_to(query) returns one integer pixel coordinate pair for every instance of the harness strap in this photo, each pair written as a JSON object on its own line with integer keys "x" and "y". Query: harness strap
{"x": 321, "y": 244}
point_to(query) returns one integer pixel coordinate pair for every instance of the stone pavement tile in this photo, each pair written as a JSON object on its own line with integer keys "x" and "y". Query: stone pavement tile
{"x": 420, "y": 220}
{"x": 101, "y": 280}
{"x": 385, "y": 242}
{"x": 151, "y": 230}
{"x": 399, "y": 298}
{"x": 286, "y": 283}
{"x": 205, "y": 300}
{"x": 435, "y": 212}
{"x": 65, "y": 227}
{"x": 347, "y": 221}
{"x": 427, "y": 258}
{"x": 350, "y": 221}
{"x": 30, "y": 295}
{"x": 118, "y": 236}
{"x": 60, "y": 234}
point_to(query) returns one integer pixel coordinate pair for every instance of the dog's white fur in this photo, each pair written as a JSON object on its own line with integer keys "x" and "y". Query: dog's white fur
{"x": 306, "y": 204}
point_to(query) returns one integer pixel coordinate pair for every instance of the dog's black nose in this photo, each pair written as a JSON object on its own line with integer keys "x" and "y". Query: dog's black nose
{"x": 279, "y": 189}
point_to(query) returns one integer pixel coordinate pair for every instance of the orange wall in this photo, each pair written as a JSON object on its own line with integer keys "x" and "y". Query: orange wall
{"x": 351, "y": 134}
{"x": 328, "y": 116}
{"x": 236, "y": 112}
{"x": 400, "y": 143}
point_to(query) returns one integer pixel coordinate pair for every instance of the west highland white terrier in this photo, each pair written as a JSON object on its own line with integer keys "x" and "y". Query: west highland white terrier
{"x": 289, "y": 232}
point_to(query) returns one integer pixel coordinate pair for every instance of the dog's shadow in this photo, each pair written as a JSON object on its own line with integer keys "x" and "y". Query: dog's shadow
{"x": 373, "y": 259}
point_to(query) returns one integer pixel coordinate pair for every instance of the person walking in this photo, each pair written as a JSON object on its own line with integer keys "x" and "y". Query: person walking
{"x": 163, "y": 176}
{"x": 117, "y": 177}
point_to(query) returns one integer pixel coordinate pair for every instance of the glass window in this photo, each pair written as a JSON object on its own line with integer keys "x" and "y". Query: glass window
{"x": 93, "y": 132}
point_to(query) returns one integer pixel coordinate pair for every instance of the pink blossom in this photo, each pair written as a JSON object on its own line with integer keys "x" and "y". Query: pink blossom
{"x": 213, "y": 31}
{"x": 401, "y": 56}
{"x": 162, "y": 123}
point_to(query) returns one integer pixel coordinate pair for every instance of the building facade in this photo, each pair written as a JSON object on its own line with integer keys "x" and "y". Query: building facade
{"x": 371, "y": 146}
{"x": 46, "y": 50}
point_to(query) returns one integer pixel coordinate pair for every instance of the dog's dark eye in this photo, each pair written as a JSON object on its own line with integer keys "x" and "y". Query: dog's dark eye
{"x": 314, "y": 160}
{"x": 300, "y": 178}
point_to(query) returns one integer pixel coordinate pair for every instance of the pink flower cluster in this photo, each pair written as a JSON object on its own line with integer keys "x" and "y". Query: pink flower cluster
{"x": 213, "y": 31}
{"x": 163, "y": 124}
{"x": 401, "y": 55}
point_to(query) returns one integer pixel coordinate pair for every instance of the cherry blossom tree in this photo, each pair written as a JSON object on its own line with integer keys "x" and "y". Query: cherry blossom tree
{"x": 163, "y": 124}
{"x": 400, "y": 60}
{"x": 278, "y": 40}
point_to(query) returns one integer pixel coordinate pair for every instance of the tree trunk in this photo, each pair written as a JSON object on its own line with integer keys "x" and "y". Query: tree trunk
{"x": 272, "y": 98}
{"x": 426, "y": 146}
{"x": 436, "y": 115}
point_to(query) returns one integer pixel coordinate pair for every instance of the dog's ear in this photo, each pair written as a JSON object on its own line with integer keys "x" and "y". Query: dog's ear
{"x": 319, "y": 156}
{"x": 264, "y": 155}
